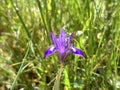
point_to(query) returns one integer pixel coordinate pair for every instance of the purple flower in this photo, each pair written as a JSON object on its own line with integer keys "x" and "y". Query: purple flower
{"x": 62, "y": 46}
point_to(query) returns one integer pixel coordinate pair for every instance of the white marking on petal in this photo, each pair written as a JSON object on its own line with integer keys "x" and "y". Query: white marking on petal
{"x": 73, "y": 49}
{"x": 52, "y": 48}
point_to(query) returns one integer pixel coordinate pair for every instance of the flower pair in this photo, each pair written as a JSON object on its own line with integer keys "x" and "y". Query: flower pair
{"x": 62, "y": 46}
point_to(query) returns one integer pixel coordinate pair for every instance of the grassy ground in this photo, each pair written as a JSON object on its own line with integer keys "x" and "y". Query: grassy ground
{"x": 25, "y": 27}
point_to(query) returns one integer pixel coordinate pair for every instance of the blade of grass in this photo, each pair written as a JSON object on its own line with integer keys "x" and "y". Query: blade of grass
{"x": 66, "y": 79}
{"x": 43, "y": 19}
{"x": 19, "y": 71}
{"x": 25, "y": 28}
{"x": 17, "y": 12}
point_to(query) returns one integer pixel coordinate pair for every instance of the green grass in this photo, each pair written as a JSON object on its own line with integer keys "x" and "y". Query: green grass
{"x": 25, "y": 27}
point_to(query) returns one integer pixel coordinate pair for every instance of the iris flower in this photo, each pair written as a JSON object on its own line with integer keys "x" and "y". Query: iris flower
{"x": 62, "y": 46}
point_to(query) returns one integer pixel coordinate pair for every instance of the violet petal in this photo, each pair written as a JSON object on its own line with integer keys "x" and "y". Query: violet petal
{"x": 49, "y": 51}
{"x": 54, "y": 40}
{"x": 77, "y": 51}
{"x": 69, "y": 40}
{"x": 62, "y": 37}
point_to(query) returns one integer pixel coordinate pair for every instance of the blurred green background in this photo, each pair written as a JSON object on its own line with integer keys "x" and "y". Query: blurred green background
{"x": 25, "y": 27}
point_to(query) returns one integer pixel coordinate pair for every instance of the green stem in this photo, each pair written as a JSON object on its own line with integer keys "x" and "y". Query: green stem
{"x": 57, "y": 81}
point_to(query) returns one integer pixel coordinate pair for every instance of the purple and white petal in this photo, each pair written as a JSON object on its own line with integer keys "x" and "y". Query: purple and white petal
{"x": 49, "y": 51}
{"x": 54, "y": 40}
{"x": 77, "y": 51}
{"x": 69, "y": 40}
{"x": 62, "y": 37}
